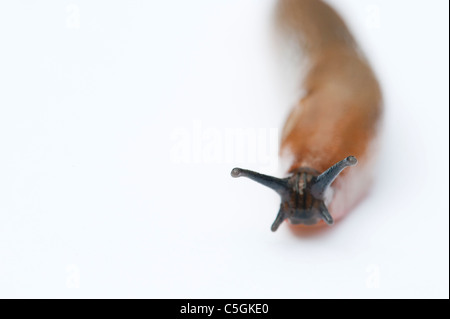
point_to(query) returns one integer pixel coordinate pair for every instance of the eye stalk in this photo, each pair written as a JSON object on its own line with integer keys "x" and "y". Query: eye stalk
{"x": 300, "y": 205}
{"x": 278, "y": 185}
{"x": 325, "y": 179}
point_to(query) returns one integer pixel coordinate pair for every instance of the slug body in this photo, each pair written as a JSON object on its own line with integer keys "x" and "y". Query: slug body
{"x": 335, "y": 123}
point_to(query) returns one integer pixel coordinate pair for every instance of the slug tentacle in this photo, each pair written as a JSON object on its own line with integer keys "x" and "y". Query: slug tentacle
{"x": 278, "y": 185}
{"x": 324, "y": 180}
{"x": 326, "y": 216}
{"x": 278, "y": 220}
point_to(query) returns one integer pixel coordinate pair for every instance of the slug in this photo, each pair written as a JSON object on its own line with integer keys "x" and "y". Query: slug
{"x": 333, "y": 126}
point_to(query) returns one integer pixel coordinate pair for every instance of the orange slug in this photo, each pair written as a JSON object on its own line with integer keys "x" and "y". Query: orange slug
{"x": 333, "y": 126}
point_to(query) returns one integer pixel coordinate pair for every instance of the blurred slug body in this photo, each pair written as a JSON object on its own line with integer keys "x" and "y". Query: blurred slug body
{"x": 334, "y": 125}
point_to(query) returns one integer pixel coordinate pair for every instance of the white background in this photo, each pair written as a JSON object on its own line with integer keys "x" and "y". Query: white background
{"x": 96, "y": 201}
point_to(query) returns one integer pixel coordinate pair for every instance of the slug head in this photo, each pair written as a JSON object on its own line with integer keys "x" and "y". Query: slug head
{"x": 302, "y": 193}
